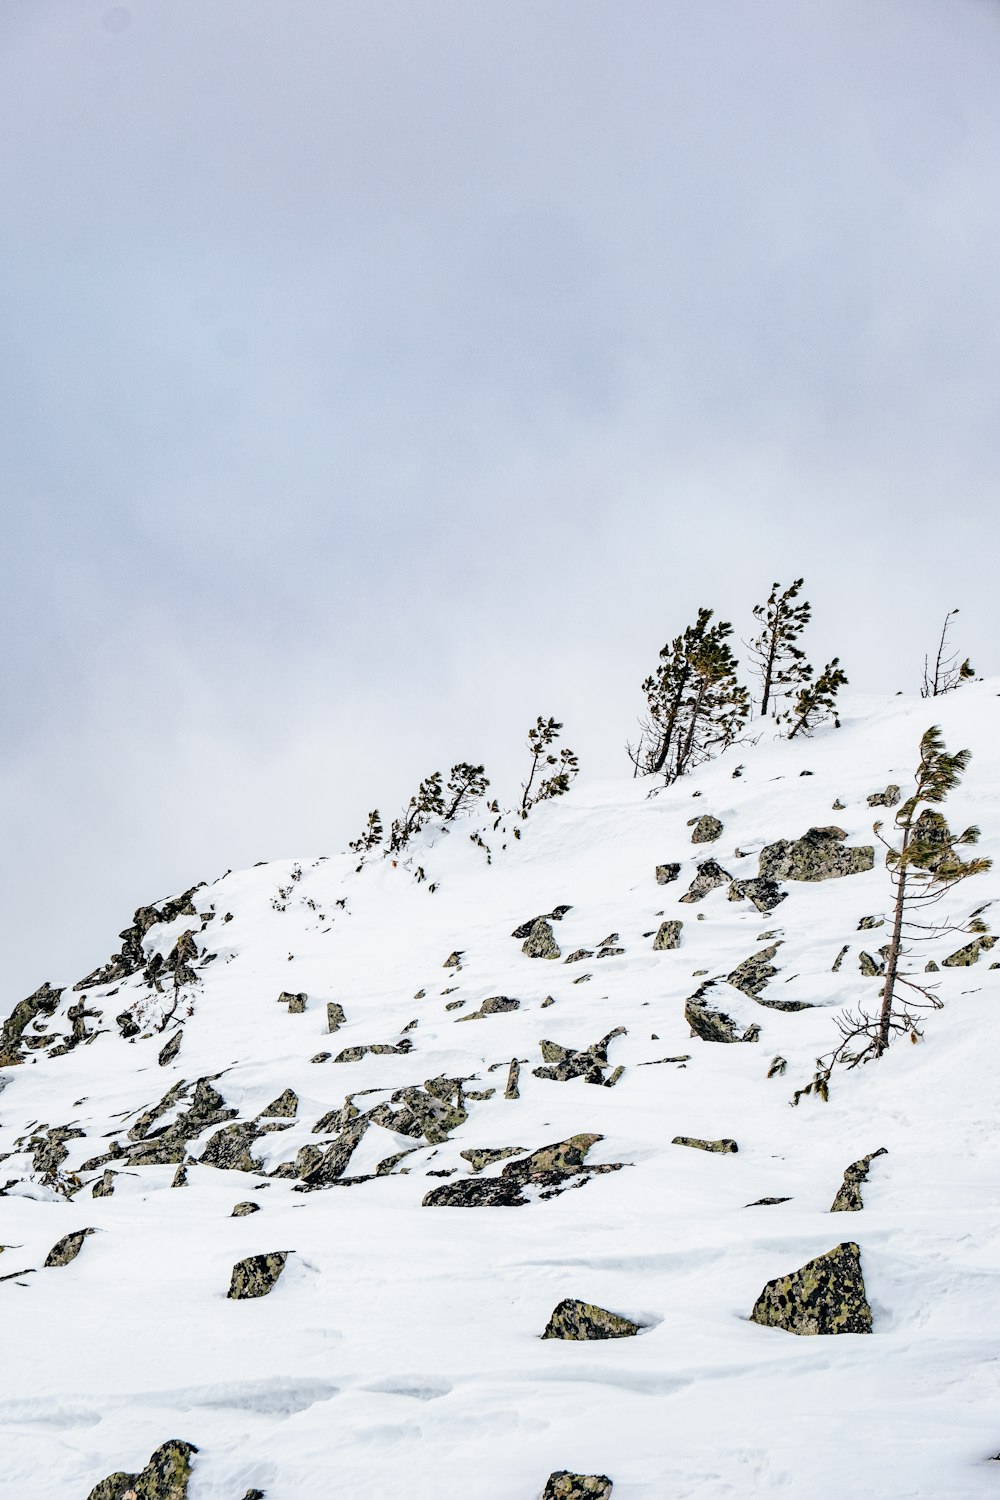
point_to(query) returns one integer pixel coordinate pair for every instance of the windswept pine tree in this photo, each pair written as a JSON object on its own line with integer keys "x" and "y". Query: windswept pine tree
{"x": 815, "y": 702}
{"x": 924, "y": 865}
{"x": 550, "y": 774}
{"x": 370, "y": 838}
{"x": 780, "y": 662}
{"x": 696, "y": 704}
{"x": 466, "y": 784}
{"x": 946, "y": 674}
{"x": 426, "y": 802}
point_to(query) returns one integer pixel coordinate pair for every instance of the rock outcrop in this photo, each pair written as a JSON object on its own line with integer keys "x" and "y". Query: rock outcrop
{"x": 826, "y": 1295}
{"x": 820, "y": 854}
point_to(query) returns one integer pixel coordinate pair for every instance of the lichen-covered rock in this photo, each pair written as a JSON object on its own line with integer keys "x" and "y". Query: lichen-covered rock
{"x": 166, "y": 1145}
{"x": 754, "y": 972}
{"x": 869, "y": 966}
{"x": 540, "y": 942}
{"x": 549, "y": 1168}
{"x": 105, "y": 1185}
{"x": 826, "y": 1295}
{"x": 165, "y": 1477}
{"x": 229, "y": 1149}
{"x": 868, "y": 924}
{"x": 378, "y": 1049}
{"x": 668, "y": 936}
{"x": 888, "y": 798}
{"x": 335, "y": 1016}
{"x": 241, "y": 1210}
{"x": 573, "y": 1319}
{"x": 480, "y": 1157}
{"x": 706, "y": 829}
{"x": 132, "y": 956}
{"x": 820, "y": 854}
{"x": 725, "y": 1146}
{"x": 963, "y": 957}
{"x": 764, "y": 893}
{"x": 285, "y": 1107}
{"x": 714, "y": 1025}
{"x": 709, "y": 877}
{"x": 454, "y": 960}
{"x": 170, "y": 1050}
{"x": 563, "y": 1485}
{"x": 848, "y": 1199}
{"x": 477, "y": 1192}
{"x": 68, "y": 1248}
{"x": 296, "y": 1002}
{"x": 665, "y": 874}
{"x": 42, "y": 1003}
{"x": 256, "y": 1275}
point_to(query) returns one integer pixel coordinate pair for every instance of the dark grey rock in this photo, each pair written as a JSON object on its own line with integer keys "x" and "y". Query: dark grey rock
{"x": 335, "y": 1016}
{"x": 709, "y": 877}
{"x": 820, "y": 854}
{"x": 848, "y": 1199}
{"x": 826, "y": 1295}
{"x": 256, "y": 1275}
{"x": 668, "y": 936}
{"x": 764, "y": 893}
{"x": 165, "y": 1477}
{"x": 68, "y": 1248}
{"x": 725, "y": 1147}
{"x": 665, "y": 874}
{"x": 753, "y": 974}
{"x": 888, "y": 798}
{"x": 241, "y": 1210}
{"x": 564, "y": 1485}
{"x": 540, "y": 942}
{"x": 555, "y": 915}
{"x": 706, "y": 829}
{"x": 42, "y": 1003}
{"x": 573, "y": 1319}
{"x": 171, "y": 1049}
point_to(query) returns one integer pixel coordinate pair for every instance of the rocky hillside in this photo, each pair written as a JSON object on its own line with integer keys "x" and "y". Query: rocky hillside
{"x": 326, "y": 1094}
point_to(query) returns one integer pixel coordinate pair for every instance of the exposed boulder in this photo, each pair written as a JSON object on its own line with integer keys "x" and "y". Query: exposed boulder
{"x": 165, "y": 1477}
{"x": 888, "y": 798}
{"x": 870, "y": 967}
{"x": 826, "y": 1295}
{"x": 285, "y": 1107}
{"x": 709, "y": 877}
{"x": 335, "y": 1016}
{"x": 170, "y": 1050}
{"x": 229, "y": 1149}
{"x": 725, "y": 1147}
{"x": 714, "y": 1025}
{"x": 963, "y": 957}
{"x": 257, "y": 1275}
{"x": 166, "y": 1145}
{"x": 668, "y": 936}
{"x": 848, "y": 1199}
{"x": 296, "y": 1002}
{"x": 549, "y": 1168}
{"x": 132, "y": 956}
{"x": 496, "y": 1005}
{"x": 754, "y": 972}
{"x": 68, "y": 1248}
{"x": 378, "y": 1049}
{"x": 763, "y": 892}
{"x": 42, "y": 1003}
{"x": 566, "y": 1486}
{"x": 573, "y": 1319}
{"x": 104, "y": 1187}
{"x": 665, "y": 874}
{"x": 540, "y": 942}
{"x": 820, "y": 854}
{"x": 241, "y": 1210}
{"x": 706, "y": 829}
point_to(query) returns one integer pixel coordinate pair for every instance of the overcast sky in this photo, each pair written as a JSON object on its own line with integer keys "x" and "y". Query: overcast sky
{"x": 376, "y": 376}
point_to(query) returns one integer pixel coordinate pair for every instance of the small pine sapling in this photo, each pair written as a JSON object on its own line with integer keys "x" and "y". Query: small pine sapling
{"x": 816, "y": 701}
{"x": 427, "y": 802}
{"x": 779, "y": 660}
{"x": 370, "y": 838}
{"x": 549, "y": 775}
{"x": 695, "y": 703}
{"x": 947, "y": 674}
{"x": 466, "y": 784}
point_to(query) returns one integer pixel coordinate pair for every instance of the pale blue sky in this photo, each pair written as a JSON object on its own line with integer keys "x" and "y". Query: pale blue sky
{"x": 377, "y": 376}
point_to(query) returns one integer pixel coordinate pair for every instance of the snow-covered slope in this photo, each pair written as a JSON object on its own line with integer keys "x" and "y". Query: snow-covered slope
{"x": 400, "y": 1353}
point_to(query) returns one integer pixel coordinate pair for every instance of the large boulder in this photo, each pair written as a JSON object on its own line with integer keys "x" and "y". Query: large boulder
{"x": 826, "y": 1295}
{"x": 165, "y": 1477}
{"x": 820, "y": 854}
{"x": 566, "y": 1486}
{"x": 573, "y": 1319}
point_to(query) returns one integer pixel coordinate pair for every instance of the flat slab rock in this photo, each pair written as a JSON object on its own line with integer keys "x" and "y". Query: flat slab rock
{"x": 165, "y": 1477}
{"x": 826, "y": 1295}
{"x": 563, "y": 1485}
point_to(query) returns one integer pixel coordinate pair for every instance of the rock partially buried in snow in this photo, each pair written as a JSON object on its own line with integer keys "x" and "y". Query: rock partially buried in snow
{"x": 257, "y": 1275}
{"x": 714, "y": 1025}
{"x": 296, "y": 1002}
{"x": 848, "y": 1199}
{"x": 573, "y": 1319}
{"x": 706, "y": 829}
{"x": 555, "y": 915}
{"x": 826, "y": 1295}
{"x": 820, "y": 854}
{"x": 764, "y": 893}
{"x": 165, "y": 1477}
{"x": 549, "y": 1168}
{"x": 540, "y": 942}
{"x": 242, "y": 1209}
{"x": 709, "y": 877}
{"x": 68, "y": 1248}
{"x": 668, "y": 936}
{"x": 665, "y": 874}
{"x": 563, "y": 1485}
{"x": 963, "y": 957}
{"x": 753, "y": 974}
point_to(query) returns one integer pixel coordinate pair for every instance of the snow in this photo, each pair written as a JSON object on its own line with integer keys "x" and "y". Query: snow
{"x": 400, "y": 1351}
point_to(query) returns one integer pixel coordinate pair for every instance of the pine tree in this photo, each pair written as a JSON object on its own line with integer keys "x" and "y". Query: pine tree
{"x": 780, "y": 661}
{"x": 924, "y": 865}
{"x": 427, "y": 802}
{"x": 695, "y": 701}
{"x": 371, "y": 837}
{"x": 465, "y": 785}
{"x": 554, "y": 772}
{"x": 946, "y": 675}
{"x": 816, "y": 701}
